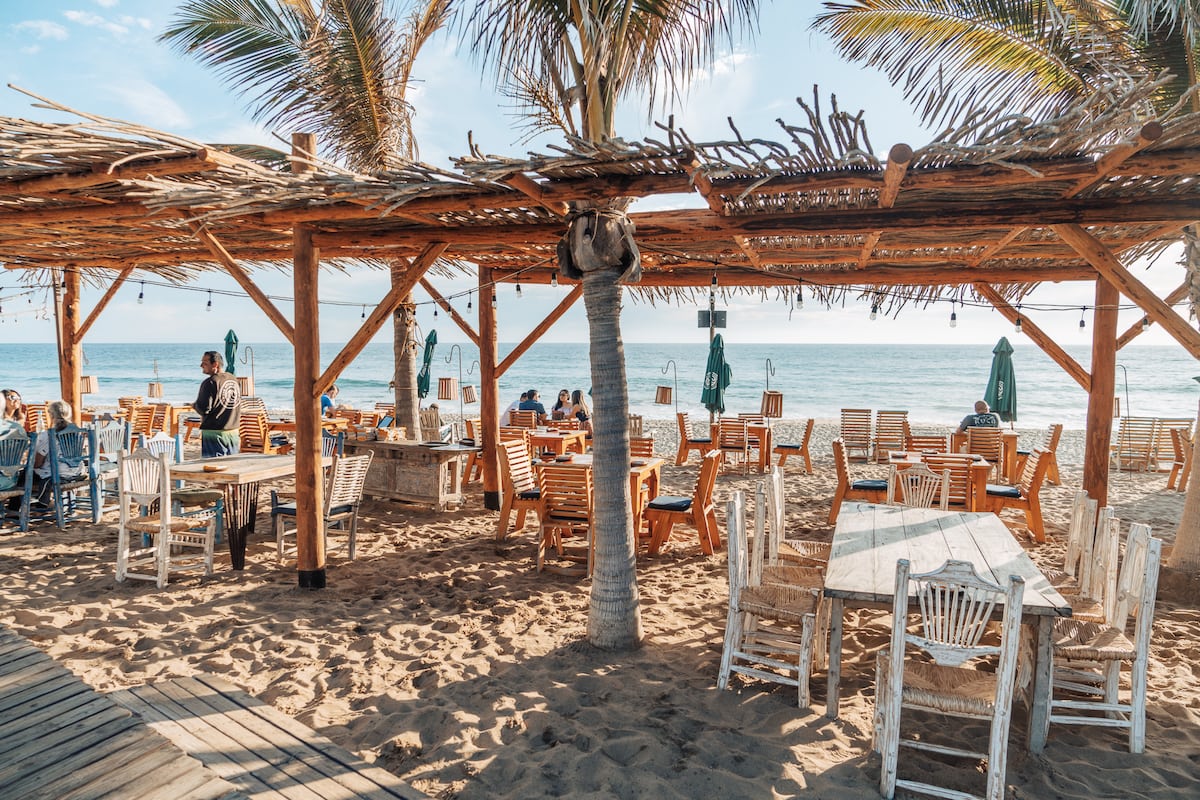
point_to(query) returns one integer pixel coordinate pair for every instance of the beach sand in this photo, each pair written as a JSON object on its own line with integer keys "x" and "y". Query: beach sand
{"x": 445, "y": 658}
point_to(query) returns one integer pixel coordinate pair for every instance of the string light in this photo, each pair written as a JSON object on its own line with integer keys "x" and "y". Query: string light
{"x": 364, "y": 312}
{"x": 493, "y": 298}
{"x": 874, "y": 310}
{"x": 953, "y": 316}
{"x": 142, "y": 294}
{"x": 1145, "y": 323}
{"x": 554, "y": 278}
{"x": 1017, "y": 327}
{"x": 518, "y": 288}
{"x": 435, "y": 312}
{"x": 800, "y": 295}
{"x": 1082, "y": 324}
{"x": 209, "y": 306}
{"x": 468, "y": 301}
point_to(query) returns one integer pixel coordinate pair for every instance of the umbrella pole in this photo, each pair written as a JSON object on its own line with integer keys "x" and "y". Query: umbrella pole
{"x": 712, "y": 332}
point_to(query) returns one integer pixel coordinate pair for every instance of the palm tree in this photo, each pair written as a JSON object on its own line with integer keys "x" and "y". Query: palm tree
{"x": 958, "y": 57}
{"x": 569, "y": 63}
{"x": 340, "y": 68}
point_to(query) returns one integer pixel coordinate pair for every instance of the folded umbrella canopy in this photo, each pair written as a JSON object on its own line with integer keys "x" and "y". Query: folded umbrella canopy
{"x": 231, "y": 343}
{"x": 717, "y": 376}
{"x": 427, "y": 358}
{"x": 1001, "y": 394}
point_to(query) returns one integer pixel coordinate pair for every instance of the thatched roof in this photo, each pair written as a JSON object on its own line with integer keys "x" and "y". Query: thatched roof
{"x": 818, "y": 209}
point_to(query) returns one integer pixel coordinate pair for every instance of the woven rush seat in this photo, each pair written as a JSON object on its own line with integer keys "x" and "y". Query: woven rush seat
{"x": 793, "y": 575}
{"x": 197, "y": 497}
{"x": 784, "y": 603}
{"x": 803, "y": 551}
{"x": 925, "y": 686}
{"x": 153, "y": 524}
{"x": 670, "y": 502}
{"x": 1080, "y": 640}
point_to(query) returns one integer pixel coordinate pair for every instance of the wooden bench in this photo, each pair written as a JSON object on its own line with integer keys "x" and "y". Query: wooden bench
{"x": 255, "y": 747}
{"x": 61, "y": 738}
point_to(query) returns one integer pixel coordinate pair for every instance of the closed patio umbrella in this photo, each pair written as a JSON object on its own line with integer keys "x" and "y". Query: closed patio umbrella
{"x": 231, "y": 343}
{"x": 717, "y": 376}
{"x": 427, "y": 358}
{"x": 1001, "y": 394}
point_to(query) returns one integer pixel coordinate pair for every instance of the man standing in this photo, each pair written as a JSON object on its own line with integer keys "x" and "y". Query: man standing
{"x": 217, "y": 405}
{"x": 982, "y": 418}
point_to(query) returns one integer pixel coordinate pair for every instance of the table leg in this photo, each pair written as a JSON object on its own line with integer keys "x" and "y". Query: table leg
{"x": 241, "y": 506}
{"x": 834, "y": 676}
{"x": 1043, "y": 686}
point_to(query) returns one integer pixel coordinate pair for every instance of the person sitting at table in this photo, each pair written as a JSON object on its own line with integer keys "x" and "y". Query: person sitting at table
{"x": 982, "y": 418}
{"x": 562, "y": 406}
{"x": 506, "y": 417}
{"x": 580, "y": 411}
{"x": 61, "y": 416}
{"x": 328, "y": 401}
{"x": 11, "y": 408}
{"x": 533, "y": 402}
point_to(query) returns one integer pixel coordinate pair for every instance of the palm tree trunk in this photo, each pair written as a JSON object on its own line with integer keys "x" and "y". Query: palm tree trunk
{"x": 614, "y": 617}
{"x": 405, "y": 355}
{"x": 1185, "y": 555}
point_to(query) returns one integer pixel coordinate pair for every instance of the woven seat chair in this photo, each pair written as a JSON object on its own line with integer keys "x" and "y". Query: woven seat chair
{"x": 687, "y": 442}
{"x": 919, "y": 487}
{"x": 1091, "y": 595}
{"x": 74, "y": 485}
{"x": 954, "y": 604}
{"x": 343, "y": 494}
{"x": 518, "y": 487}
{"x": 1081, "y": 531}
{"x": 771, "y": 628}
{"x": 664, "y": 511}
{"x": 782, "y": 551}
{"x": 1088, "y": 656}
{"x": 111, "y": 438}
{"x": 871, "y": 490}
{"x": 785, "y": 449}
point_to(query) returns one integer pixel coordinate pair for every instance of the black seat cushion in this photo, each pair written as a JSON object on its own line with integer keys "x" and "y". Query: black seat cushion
{"x": 289, "y": 509}
{"x": 531, "y": 494}
{"x": 787, "y": 446}
{"x": 1000, "y": 490}
{"x": 700, "y": 440}
{"x": 871, "y": 484}
{"x": 669, "y": 502}
{"x": 1024, "y": 452}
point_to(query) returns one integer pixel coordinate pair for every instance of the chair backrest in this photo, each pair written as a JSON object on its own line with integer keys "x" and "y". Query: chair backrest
{"x": 347, "y": 476}
{"x": 1099, "y": 573}
{"x": 681, "y": 419}
{"x": 737, "y": 546}
{"x": 36, "y": 418}
{"x": 1034, "y": 472}
{"x": 984, "y": 442}
{"x": 1179, "y": 446}
{"x": 523, "y": 419}
{"x": 841, "y": 462}
{"x": 891, "y": 430}
{"x": 1163, "y": 449}
{"x": 127, "y": 404}
{"x": 569, "y": 424}
{"x": 510, "y": 434}
{"x": 808, "y": 431}
{"x": 731, "y": 433}
{"x": 71, "y": 452}
{"x": 635, "y": 425}
{"x": 753, "y": 419}
{"x": 856, "y": 428}
{"x": 431, "y": 422}
{"x": 111, "y": 438}
{"x": 774, "y": 502}
{"x": 252, "y": 428}
{"x": 921, "y": 443}
{"x": 1080, "y": 532}
{"x": 15, "y": 453}
{"x": 1137, "y": 584}
{"x": 163, "y": 443}
{"x": 566, "y": 493}
{"x": 474, "y": 429}
{"x": 516, "y": 470}
{"x": 920, "y": 487}
{"x": 705, "y": 481}
{"x": 142, "y": 479}
{"x": 1053, "y": 434}
{"x": 386, "y": 408}
{"x": 370, "y": 419}
{"x": 958, "y": 491}
{"x": 141, "y": 420}
{"x": 641, "y": 446}
{"x": 252, "y": 404}
{"x": 332, "y": 443}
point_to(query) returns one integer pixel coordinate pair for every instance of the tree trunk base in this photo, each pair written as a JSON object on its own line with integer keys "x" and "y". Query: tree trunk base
{"x": 1178, "y": 587}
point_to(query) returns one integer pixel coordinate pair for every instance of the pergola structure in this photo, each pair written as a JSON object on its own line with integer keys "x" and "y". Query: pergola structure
{"x": 989, "y": 211}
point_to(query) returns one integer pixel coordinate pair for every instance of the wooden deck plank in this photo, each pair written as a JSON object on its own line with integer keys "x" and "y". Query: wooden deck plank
{"x": 49, "y": 765}
{"x": 54, "y": 687}
{"x": 20, "y": 727}
{"x": 131, "y": 745}
{"x": 121, "y": 772}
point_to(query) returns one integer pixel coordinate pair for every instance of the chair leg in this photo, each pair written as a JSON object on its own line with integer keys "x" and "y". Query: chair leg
{"x": 807, "y": 460}
{"x": 122, "y": 553}
{"x": 353, "y": 533}
{"x": 836, "y": 505}
{"x": 660, "y": 532}
{"x": 805, "y": 665}
{"x": 682, "y": 453}
{"x": 714, "y": 533}
{"x": 279, "y": 537}
{"x": 1052, "y": 470}
{"x": 734, "y": 623}
{"x": 1137, "y": 710}
{"x": 502, "y": 524}
{"x": 1033, "y": 519}
{"x": 702, "y": 532}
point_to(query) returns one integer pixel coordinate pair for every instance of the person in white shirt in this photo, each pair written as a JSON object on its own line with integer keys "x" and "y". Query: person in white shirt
{"x": 506, "y": 417}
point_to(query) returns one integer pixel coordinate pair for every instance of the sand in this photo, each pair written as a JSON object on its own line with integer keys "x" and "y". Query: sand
{"x": 445, "y": 658}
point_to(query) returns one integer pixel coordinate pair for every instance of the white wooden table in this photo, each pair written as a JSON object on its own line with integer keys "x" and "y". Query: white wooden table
{"x": 868, "y": 541}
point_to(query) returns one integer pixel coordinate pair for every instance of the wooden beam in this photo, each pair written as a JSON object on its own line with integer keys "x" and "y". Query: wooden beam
{"x": 1135, "y": 330}
{"x": 1108, "y": 163}
{"x": 996, "y": 247}
{"x": 868, "y": 247}
{"x": 70, "y": 346}
{"x": 489, "y": 392}
{"x": 1037, "y": 336}
{"x": 1115, "y": 272}
{"x": 463, "y": 325}
{"x": 543, "y": 326}
{"x": 76, "y": 214}
{"x": 379, "y": 315}
{"x": 1100, "y": 400}
{"x": 899, "y": 157}
{"x": 534, "y": 191}
{"x": 246, "y": 282}
{"x": 102, "y": 302}
{"x": 100, "y": 175}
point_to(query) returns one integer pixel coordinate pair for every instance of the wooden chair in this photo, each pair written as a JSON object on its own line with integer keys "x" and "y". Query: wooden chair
{"x": 1024, "y": 495}
{"x": 74, "y": 485}
{"x": 333, "y": 444}
{"x": 891, "y": 433}
{"x": 508, "y": 434}
{"x": 1134, "y": 448}
{"x": 523, "y": 419}
{"x": 789, "y": 562}
{"x": 151, "y": 541}
{"x": 473, "y": 470}
{"x": 954, "y": 605}
{"x": 1050, "y": 445}
{"x": 919, "y": 487}
{"x": 1081, "y": 532}
{"x": 986, "y": 442}
{"x": 923, "y": 443}
{"x": 1091, "y": 595}
{"x": 1163, "y": 447}
{"x": 766, "y": 623}
{"x": 141, "y": 421}
{"x": 16, "y": 468}
{"x": 871, "y": 490}
{"x": 664, "y": 511}
{"x": 732, "y": 438}
{"x": 1183, "y": 449}
{"x": 36, "y": 418}
{"x": 385, "y": 408}
{"x": 785, "y": 449}
{"x": 128, "y": 404}
{"x": 958, "y": 492}
{"x": 687, "y": 442}
{"x": 343, "y": 495}
{"x": 856, "y": 433}
{"x": 256, "y": 436}
{"x": 431, "y": 424}
{"x": 1088, "y": 656}
{"x": 518, "y": 486}
{"x": 562, "y": 424}
{"x": 635, "y": 425}
{"x": 111, "y": 438}
{"x": 565, "y": 512}
{"x": 641, "y": 446}
{"x": 252, "y": 405}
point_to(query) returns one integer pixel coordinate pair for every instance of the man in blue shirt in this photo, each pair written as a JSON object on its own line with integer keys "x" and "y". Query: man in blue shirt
{"x": 532, "y": 402}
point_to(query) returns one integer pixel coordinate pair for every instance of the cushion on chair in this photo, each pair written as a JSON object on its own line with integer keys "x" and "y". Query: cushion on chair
{"x": 787, "y": 446}
{"x": 467, "y": 442}
{"x": 1024, "y": 452}
{"x": 197, "y": 497}
{"x": 532, "y": 494}
{"x": 700, "y": 440}
{"x": 289, "y": 509}
{"x": 669, "y": 502}
{"x": 1000, "y": 490}
{"x": 872, "y": 484}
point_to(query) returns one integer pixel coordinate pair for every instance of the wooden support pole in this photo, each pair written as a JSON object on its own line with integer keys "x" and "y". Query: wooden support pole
{"x": 1114, "y": 272}
{"x": 1100, "y": 399}
{"x": 899, "y": 157}
{"x": 1135, "y": 330}
{"x": 387, "y": 306}
{"x": 1037, "y": 336}
{"x": 462, "y": 324}
{"x": 310, "y": 483}
{"x": 543, "y": 326}
{"x": 244, "y": 280}
{"x": 534, "y": 191}
{"x": 489, "y": 393}
{"x": 70, "y": 347}
{"x": 108, "y": 295}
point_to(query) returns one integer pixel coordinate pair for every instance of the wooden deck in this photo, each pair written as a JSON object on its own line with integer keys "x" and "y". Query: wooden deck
{"x": 61, "y": 739}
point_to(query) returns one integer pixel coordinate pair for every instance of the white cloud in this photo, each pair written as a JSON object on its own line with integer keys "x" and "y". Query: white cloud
{"x": 149, "y": 105}
{"x": 42, "y": 29}
{"x": 136, "y": 22}
{"x": 107, "y": 3}
{"x": 95, "y": 21}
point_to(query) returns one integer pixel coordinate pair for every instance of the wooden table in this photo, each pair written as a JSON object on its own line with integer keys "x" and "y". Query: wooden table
{"x": 641, "y": 470}
{"x": 412, "y": 472}
{"x": 240, "y": 479}
{"x": 869, "y": 539}
{"x": 761, "y": 439}
{"x": 1008, "y": 452}
{"x": 979, "y": 471}
{"x": 559, "y": 442}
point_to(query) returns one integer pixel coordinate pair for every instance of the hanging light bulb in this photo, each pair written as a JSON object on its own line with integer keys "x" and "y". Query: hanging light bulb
{"x": 953, "y": 316}
{"x": 364, "y": 312}
{"x": 874, "y": 310}
{"x": 493, "y": 298}
{"x": 435, "y": 312}
{"x": 209, "y": 306}
{"x": 800, "y": 295}
{"x": 1082, "y": 324}
{"x": 1145, "y": 323}
{"x": 142, "y": 294}
{"x": 518, "y": 288}
{"x": 468, "y": 301}
{"x": 1017, "y": 327}
{"x": 714, "y": 280}
{"x": 554, "y": 278}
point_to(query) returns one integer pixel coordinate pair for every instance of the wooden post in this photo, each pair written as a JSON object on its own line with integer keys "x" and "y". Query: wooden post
{"x": 489, "y": 391}
{"x": 1100, "y": 398}
{"x": 70, "y": 347}
{"x": 310, "y": 526}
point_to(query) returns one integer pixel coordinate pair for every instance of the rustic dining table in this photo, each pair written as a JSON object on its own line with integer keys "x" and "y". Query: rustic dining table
{"x": 868, "y": 541}
{"x": 558, "y": 442}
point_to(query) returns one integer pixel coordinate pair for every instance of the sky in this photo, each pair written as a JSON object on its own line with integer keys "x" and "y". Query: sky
{"x": 102, "y": 57}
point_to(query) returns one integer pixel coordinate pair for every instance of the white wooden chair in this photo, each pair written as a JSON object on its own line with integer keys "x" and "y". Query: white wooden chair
{"x": 151, "y": 541}
{"x": 954, "y": 605}
{"x": 780, "y": 549}
{"x": 767, "y": 623}
{"x": 1088, "y": 655}
{"x": 919, "y": 487}
{"x": 343, "y": 494}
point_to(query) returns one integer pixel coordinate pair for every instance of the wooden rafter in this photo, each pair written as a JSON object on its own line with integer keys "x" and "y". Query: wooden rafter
{"x": 534, "y": 191}
{"x": 543, "y": 326}
{"x": 704, "y": 186}
{"x": 1136, "y": 329}
{"x": 246, "y": 282}
{"x": 1037, "y": 336}
{"x": 86, "y": 325}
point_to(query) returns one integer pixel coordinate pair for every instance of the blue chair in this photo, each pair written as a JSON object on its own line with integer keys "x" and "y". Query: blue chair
{"x": 73, "y": 481}
{"x": 333, "y": 443}
{"x": 16, "y": 459}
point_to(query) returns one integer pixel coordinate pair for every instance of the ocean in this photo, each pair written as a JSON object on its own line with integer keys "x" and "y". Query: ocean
{"x": 937, "y": 384}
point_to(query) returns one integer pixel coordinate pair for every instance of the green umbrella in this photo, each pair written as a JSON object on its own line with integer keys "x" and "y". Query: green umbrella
{"x": 231, "y": 343}
{"x": 427, "y": 356}
{"x": 1001, "y": 394}
{"x": 717, "y": 376}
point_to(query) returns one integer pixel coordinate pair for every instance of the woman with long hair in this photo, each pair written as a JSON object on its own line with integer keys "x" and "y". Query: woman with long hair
{"x": 580, "y": 411}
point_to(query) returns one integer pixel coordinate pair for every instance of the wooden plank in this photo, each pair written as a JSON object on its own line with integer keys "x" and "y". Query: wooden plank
{"x": 69, "y": 749}
{"x": 24, "y": 722}
{"x": 450, "y": 310}
{"x": 103, "y": 301}
{"x": 144, "y": 752}
{"x": 1098, "y": 432}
